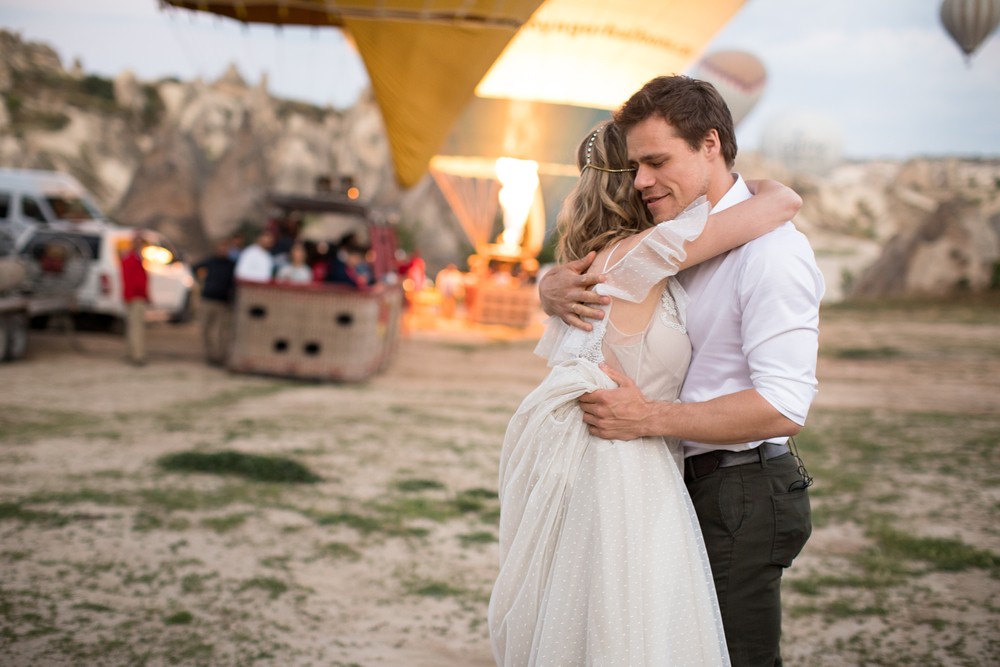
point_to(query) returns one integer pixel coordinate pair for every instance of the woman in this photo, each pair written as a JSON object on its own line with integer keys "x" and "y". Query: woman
{"x": 601, "y": 556}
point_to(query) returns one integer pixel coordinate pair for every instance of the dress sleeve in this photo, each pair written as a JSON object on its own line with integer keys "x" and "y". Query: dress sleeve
{"x": 657, "y": 256}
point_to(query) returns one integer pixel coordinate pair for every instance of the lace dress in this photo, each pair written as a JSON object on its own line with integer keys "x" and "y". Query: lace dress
{"x": 601, "y": 556}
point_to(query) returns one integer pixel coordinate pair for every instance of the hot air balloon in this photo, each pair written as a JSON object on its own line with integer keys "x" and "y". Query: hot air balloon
{"x": 739, "y": 76}
{"x": 970, "y": 22}
{"x": 427, "y": 58}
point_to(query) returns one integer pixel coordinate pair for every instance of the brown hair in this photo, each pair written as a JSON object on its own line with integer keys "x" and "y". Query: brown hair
{"x": 603, "y": 206}
{"x": 691, "y": 106}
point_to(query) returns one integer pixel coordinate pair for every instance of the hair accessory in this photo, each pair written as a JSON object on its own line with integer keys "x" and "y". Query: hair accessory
{"x": 590, "y": 150}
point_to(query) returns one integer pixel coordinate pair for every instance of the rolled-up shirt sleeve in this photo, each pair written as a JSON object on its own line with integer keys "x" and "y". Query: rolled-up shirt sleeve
{"x": 780, "y": 294}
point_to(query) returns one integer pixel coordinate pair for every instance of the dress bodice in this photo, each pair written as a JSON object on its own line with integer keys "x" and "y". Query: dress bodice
{"x": 656, "y": 358}
{"x": 642, "y": 332}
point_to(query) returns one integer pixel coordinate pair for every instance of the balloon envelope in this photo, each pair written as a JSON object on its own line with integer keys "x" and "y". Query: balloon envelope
{"x": 970, "y": 22}
{"x": 739, "y": 76}
{"x": 427, "y": 58}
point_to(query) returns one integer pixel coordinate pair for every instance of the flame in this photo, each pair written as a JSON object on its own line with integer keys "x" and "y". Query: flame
{"x": 519, "y": 179}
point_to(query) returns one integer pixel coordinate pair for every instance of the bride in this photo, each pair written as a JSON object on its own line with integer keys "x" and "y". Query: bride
{"x": 601, "y": 556}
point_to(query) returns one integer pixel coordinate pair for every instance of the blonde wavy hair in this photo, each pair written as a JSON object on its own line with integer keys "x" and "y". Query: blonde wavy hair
{"x": 603, "y": 206}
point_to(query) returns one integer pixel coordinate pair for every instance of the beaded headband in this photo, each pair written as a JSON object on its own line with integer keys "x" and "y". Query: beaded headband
{"x": 590, "y": 149}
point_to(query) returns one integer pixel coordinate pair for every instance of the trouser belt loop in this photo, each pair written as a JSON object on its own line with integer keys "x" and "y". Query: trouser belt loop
{"x": 762, "y": 454}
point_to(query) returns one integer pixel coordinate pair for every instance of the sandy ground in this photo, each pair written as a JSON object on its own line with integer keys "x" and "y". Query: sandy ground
{"x": 108, "y": 559}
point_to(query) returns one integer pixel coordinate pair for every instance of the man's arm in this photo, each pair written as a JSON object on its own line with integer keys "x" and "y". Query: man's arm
{"x": 625, "y": 414}
{"x": 565, "y": 292}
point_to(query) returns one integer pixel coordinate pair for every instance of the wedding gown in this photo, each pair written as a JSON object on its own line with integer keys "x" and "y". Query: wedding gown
{"x": 601, "y": 557}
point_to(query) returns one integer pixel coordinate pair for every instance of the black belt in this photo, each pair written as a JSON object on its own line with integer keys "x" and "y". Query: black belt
{"x": 700, "y": 465}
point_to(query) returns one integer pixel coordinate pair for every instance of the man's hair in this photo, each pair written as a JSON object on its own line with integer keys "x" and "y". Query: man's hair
{"x": 691, "y": 106}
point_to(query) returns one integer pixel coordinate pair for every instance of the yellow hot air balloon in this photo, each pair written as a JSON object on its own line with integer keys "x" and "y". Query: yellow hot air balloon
{"x": 428, "y": 58}
{"x": 970, "y": 22}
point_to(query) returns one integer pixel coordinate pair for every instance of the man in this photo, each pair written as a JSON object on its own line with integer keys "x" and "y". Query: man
{"x": 216, "y": 274}
{"x": 135, "y": 294}
{"x": 753, "y": 324}
{"x": 256, "y": 262}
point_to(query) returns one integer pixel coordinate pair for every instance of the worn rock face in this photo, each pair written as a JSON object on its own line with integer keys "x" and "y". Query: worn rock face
{"x": 195, "y": 160}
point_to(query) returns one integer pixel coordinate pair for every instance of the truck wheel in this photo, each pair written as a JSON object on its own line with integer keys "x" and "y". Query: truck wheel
{"x": 17, "y": 336}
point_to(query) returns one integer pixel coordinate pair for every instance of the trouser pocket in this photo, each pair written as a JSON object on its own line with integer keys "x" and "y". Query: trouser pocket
{"x": 792, "y": 525}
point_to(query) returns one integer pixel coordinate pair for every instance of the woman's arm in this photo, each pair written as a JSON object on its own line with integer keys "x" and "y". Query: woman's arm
{"x": 772, "y": 205}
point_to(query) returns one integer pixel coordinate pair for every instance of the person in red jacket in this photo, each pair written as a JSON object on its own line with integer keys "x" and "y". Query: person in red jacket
{"x": 136, "y": 296}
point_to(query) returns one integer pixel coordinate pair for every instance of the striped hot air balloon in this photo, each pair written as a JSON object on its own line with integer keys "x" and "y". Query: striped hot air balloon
{"x": 970, "y": 22}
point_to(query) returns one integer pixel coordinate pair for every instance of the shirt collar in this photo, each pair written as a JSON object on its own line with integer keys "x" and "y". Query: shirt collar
{"x": 739, "y": 192}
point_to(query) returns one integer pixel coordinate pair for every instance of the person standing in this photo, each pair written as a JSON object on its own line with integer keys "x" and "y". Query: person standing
{"x": 601, "y": 558}
{"x": 218, "y": 283}
{"x": 256, "y": 263}
{"x": 753, "y": 320}
{"x": 135, "y": 293}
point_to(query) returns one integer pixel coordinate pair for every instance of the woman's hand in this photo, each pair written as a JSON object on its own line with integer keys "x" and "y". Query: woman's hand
{"x": 565, "y": 293}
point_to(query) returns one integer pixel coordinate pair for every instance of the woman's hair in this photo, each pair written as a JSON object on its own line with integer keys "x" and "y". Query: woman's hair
{"x": 603, "y": 206}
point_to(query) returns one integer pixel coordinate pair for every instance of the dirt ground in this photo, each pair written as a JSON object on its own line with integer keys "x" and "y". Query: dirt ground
{"x": 106, "y": 558}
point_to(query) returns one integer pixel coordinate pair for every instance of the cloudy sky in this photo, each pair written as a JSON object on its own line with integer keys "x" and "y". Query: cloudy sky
{"x": 883, "y": 72}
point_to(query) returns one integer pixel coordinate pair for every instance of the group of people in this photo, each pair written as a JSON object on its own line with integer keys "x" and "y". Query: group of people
{"x": 650, "y": 495}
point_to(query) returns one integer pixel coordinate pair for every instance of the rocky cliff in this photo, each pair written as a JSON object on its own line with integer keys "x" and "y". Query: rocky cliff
{"x": 194, "y": 160}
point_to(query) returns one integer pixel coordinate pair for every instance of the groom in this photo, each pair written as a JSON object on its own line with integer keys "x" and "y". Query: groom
{"x": 753, "y": 323}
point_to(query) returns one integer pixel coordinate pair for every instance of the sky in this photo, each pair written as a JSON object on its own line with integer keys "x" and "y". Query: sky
{"x": 884, "y": 74}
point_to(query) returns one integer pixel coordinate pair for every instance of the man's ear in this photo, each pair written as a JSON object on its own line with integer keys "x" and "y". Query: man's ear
{"x": 711, "y": 144}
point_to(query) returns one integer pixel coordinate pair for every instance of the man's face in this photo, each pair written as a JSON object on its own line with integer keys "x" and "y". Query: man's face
{"x": 670, "y": 174}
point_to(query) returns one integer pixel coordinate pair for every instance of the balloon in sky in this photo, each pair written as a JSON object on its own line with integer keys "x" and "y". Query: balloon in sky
{"x": 739, "y": 76}
{"x": 970, "y": 22}
{"x": 428, "y": 58}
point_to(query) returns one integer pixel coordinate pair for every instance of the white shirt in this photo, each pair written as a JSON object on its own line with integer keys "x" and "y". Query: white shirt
{"x": 255, "y": 264}
{"x": 753, "y": 320}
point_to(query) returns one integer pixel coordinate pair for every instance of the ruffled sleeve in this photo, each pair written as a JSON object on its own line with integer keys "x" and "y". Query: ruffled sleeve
{"x": 658, "y": 256}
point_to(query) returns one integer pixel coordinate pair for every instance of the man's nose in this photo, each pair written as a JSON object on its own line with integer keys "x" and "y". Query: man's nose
{"x": 643, "y": 178}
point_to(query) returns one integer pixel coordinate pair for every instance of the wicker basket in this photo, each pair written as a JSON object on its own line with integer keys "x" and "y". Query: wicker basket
{"x": 315, "y": 332}
{"x": 510, "y": 305}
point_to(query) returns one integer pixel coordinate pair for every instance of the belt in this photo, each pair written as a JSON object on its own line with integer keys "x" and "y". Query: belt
{"x": 700, "y": 465}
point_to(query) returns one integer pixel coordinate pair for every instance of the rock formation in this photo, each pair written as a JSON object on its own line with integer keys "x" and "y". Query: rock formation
{"x": 195, "y": 160}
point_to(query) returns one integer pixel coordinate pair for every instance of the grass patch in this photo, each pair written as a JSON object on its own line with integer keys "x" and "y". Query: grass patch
{"x": 24, "y": 425}
{"x": 479, "y": 537}
{"x": 224, "y": 524}
{"x": 17, "y": 512}
{"x": 413, "y": 485}
{"x": 273, "y": 587}
{"x": 945, "y": 555}
{"x": 249, "y": 466}
{"x": 179, "y": 618}
{"x": 864, "y": 353}
{"x": 432, "y": 589}
{"x": 338, "y": 551}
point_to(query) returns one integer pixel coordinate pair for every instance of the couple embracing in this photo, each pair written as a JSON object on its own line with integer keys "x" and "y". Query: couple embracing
{"x": 649, "y": 498}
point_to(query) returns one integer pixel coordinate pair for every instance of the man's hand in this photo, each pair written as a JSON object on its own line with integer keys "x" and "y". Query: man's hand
{"x": 564, "y": 292}
{"x": 617, "y": 414}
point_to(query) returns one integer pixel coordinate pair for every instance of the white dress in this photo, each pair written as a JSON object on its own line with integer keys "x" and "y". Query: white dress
{"x": 601, "y": 557}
